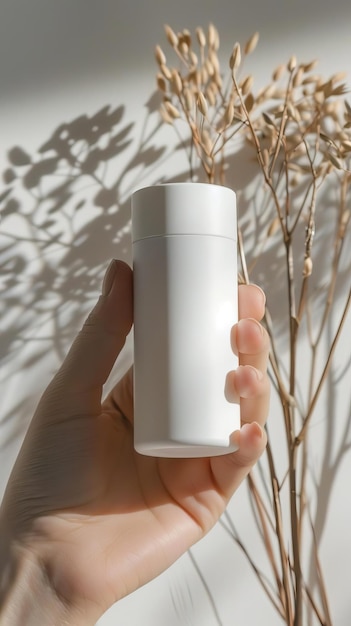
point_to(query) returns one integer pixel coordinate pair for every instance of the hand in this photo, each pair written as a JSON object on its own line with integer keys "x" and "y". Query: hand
{"x": 95, "y": 518}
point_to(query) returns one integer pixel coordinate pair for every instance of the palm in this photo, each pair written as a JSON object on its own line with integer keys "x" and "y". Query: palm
{"x": 103, "y": 517}
{"x": 126, "y": 513}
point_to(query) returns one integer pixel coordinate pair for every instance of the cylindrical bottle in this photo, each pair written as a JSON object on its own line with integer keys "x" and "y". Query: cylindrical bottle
{"x": 185, "y": 304}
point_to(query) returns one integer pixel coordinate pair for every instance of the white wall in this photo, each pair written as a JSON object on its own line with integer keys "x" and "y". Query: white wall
{"x": 60, "y": 61}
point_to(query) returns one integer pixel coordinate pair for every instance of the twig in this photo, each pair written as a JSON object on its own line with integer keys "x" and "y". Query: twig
{"x": 314, "y": 400}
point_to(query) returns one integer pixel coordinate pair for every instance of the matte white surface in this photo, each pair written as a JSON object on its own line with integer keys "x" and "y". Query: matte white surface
{"x": 185, "y": 304}
{"x": 184, "y": 209}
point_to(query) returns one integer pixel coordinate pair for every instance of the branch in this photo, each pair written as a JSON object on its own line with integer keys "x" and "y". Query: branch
{"x": 307, "y": 420}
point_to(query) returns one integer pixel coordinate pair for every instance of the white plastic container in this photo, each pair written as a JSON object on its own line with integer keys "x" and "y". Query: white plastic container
{"x": 185, "y": 304}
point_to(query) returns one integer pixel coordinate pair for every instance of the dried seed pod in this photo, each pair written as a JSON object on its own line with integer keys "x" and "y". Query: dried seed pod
{"x": 339, "y": 76}
{"x": 206, "y": 142}
{"x": 266, "y": 93}
{"x": 217, "y": 78}
{"x": 188, "y": 99}
{"x": 214, "y": 87}
{"x": 319, "y": 97}
{"x": 251, "y": 43}
{"x": 194, "y": 77}
{"x": 293, "y": 112}
{"x": 213, "y": 58}
{"x": 176, "y": 82}
{"x": 186, "y": 36}
{"x": 249, "y": 102}
{"x": 314, "y": 78}
{"x": 228, "y": 115}
{"x": 171, "y": 110}
{"x": 278, "y": 94}
{"x": 246, "y": 85}
{"x": 240, "y": 116}
{"x": 210, "y": 95}
{"x": 292, "y": 63}
{"x": 204, "y": 75}
{"x": 308, "y": 67}
{"x": 347, "y": 108}
{"x": 171, "y": 36}
{"x": 213, "y": 37}
{"x": 201, "y": 37}
{"x": 340, "y": 90}
{"x": 160, "y": 55}
{"x": 334, "y": 160}
{"x": 193, "y": 59}
{"x": 202, "y": 104}
{"x": 278, "y": 72}
{"x": 209, "y": 67}
{"x": 183, "y": 47}
{"x": 268, "y": 120}
{"x": 235, "y": 58}
{"x": 327, "y": 88}
{"x": 298, "y": 78}
{"x": 166, "y": 72}
{"x": 227, "y": 119}
{"x": 161, "y": 83}
{"x": 307, "y": 267}
{"x": 166, "y": 118}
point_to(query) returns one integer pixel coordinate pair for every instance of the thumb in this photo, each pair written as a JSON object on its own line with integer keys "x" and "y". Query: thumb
{"x": 95, "y": 349}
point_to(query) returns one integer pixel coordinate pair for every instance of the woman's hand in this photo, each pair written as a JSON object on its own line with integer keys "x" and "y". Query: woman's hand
{"x": 86, "y": 520}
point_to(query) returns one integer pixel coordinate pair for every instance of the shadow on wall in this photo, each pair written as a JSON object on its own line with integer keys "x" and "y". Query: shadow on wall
{"x": 65, "y": 213}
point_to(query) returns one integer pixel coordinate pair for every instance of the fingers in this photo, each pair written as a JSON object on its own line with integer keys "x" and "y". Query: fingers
{"x": 249, "y": 384}
{"x": 251, "y": 302}
{"x": 250, "y": 342}
{"x": 231, "y": 469}
{"x": 95, "y": 349}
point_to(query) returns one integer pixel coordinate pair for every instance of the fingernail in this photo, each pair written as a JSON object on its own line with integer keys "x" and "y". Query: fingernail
{"x": 258, "y": 430}
{"x": 109, "y": 278}
{"x": 254, "y": 430}
{"x": 249, "y": 368}
{"x": 262, "y": 293}
{"x": 251, "y": 324}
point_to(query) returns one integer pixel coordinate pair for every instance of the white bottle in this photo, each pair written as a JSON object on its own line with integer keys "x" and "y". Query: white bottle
{"x": 185, "y": 304}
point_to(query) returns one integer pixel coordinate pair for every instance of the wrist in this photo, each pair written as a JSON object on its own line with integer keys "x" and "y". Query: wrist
{"x": 27, "y": 596}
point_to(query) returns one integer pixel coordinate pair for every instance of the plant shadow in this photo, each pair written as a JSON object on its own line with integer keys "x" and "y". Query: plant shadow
{"x": 65, "y": 213}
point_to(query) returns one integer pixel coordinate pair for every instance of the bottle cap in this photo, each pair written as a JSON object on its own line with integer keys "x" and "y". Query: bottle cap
{"x": 184, "y": 209}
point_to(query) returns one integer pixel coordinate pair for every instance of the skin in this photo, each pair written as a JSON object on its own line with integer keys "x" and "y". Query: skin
{"x": 86, "y": 520}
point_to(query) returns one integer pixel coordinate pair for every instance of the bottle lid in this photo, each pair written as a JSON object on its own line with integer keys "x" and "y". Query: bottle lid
{"x": 184, "y": 209}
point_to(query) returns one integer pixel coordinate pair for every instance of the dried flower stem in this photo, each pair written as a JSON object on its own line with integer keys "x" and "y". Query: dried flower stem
{"x": 300, "y": 134}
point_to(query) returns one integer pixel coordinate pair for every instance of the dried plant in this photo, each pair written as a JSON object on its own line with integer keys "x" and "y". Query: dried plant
{"x": 299, "y": 129}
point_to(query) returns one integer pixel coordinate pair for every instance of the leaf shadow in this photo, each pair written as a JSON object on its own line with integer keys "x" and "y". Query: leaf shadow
{"x": 65, "y": 212}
